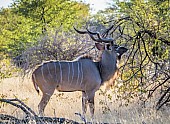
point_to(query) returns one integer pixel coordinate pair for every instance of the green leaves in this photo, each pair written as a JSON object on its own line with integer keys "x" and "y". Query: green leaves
{"x": 26, "y": 20}
{"x": 51, "y": 14}
{"x": 143, "y": 26}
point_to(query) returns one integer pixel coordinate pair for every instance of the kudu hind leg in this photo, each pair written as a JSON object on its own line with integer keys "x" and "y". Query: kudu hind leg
{"x": 44, "y": 100}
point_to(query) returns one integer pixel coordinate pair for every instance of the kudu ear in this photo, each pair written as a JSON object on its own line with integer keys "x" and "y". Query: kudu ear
{"x": 120, "y": 51}
{"x": 100, "y": 46}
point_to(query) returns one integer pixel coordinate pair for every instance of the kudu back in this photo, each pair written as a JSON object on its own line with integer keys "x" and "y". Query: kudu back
{"x": 82, "y": 74}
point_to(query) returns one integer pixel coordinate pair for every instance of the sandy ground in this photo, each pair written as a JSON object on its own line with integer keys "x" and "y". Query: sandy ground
{"x": 67, "y": 104}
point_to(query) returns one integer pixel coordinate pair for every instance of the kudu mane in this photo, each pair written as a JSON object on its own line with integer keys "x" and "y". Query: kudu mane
{"x": 86, "y": 57}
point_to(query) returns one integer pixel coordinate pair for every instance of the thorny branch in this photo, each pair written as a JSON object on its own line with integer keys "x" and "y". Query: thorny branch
{"x": 156, "y": 87}
{"x": 165, "y": 96}
{"x": 145, "y": 66}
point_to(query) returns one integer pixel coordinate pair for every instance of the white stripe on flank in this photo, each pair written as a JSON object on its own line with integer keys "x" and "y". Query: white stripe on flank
{"x": 49, "y": 71}
{"x": 68, "y": 72}
{"x": 78, "y": 72}
{"x": 55, "y": 71}
{"x": 43, "y": 73}
{"x": 81, "y": 74}
{"x": 60, "y": 72}
{"x": 72, "y": 73}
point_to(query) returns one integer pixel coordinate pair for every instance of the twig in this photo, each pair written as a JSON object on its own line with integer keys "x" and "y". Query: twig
{"x": 153, "y": 90}
{"x": 16, "y": 105}
{"x": 82, "y": 117}
{"x": 159, "y": 104}
{"x": 29, "y": 109}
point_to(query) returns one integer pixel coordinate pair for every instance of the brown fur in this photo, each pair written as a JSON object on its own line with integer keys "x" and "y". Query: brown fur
{"x": 111, "y": 82}
{"x": 81, "y": 74}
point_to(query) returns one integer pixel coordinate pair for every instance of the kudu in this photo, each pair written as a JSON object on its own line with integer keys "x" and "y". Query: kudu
{"x": 82, "y": 74}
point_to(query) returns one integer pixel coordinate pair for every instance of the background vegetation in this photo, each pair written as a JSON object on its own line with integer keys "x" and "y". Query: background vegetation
{"x": 33, "y": 31}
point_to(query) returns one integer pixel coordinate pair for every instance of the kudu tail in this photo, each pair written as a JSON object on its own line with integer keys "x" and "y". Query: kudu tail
{"x": 35, "y": 84}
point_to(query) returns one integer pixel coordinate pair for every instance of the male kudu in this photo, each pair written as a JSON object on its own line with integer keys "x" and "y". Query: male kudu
{"x": 82, "y": 74}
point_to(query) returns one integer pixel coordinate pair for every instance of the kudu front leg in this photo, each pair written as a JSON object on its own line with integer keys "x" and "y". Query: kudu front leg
{"x": 84, "y": 103}
{"x": 91, "y": 104}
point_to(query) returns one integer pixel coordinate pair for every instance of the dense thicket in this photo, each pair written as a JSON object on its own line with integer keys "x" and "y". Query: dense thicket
{"x": 25, "y": 22}
{"x": 144, "y": 27}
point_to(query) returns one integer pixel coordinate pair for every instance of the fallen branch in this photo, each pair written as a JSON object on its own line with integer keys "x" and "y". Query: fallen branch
{"x": 11, "y": 101}
{"x": 30, "y": 115}
{"x": 11, "y": 119}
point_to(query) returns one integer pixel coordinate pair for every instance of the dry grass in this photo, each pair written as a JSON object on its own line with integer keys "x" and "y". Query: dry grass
{"x": 66, "y": 104}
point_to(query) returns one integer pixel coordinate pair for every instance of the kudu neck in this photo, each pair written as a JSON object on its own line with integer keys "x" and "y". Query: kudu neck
{"x": 108, "y": 65}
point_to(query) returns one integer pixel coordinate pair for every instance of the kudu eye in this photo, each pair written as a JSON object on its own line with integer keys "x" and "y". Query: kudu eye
{"x": 109, "y": 47}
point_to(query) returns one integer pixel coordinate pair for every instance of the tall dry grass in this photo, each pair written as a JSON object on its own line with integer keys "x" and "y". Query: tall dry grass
{"x": 67, "y": 104}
